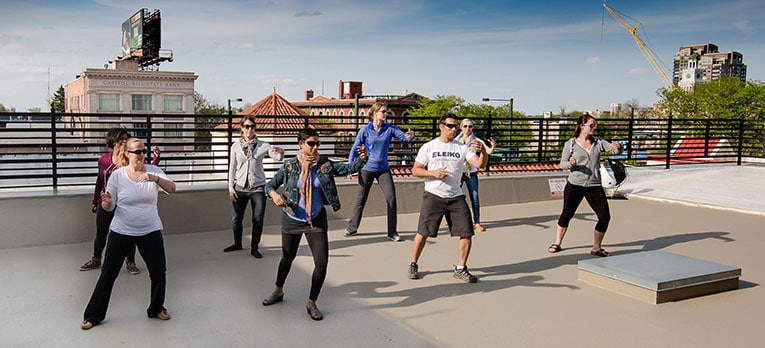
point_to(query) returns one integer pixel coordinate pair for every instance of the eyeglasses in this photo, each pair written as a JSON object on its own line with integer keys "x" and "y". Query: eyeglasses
{"x": 139, "y": 152}
{"x": 249, "y": 126}
{"x": 591, "y": 125}
{"x": 450, "y": 125}
{"x": 313, "y": 143}
{"x": 467, "y": 126}
{"x": 383, "y": 110}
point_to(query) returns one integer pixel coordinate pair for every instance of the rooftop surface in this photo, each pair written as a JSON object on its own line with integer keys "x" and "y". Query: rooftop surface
{"x": 526, "y": 297}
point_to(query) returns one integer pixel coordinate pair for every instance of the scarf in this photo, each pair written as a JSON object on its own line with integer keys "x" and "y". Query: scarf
{"x": 305, "y": 182}
{"x": 248, "y": 146}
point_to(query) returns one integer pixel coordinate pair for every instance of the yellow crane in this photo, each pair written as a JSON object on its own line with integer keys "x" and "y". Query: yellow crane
{"x": 643, "y": 47}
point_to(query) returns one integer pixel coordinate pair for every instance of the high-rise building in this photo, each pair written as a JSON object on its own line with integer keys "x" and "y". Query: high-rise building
{"x": 703, "y": 63}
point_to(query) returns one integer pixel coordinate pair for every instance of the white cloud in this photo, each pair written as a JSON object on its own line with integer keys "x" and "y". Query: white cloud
{"x": 638, "y": 71}
{"x": 592, "y": 60}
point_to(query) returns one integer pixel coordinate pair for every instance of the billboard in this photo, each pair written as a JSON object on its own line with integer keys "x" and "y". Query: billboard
{"x": 142, "y": 37}
{"x": 132, "y": 35}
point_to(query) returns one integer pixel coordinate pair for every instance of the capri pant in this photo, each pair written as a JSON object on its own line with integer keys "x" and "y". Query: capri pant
{"x": 596, "y": 198}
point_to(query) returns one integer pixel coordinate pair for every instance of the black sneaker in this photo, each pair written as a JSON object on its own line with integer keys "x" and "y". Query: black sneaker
{"x": 132, "y": 268}
{"x": 464, "y": 275}
{"x": 412, "y": 273}
{"x": 395, "y": 238}
{"x": 94, "y": 263}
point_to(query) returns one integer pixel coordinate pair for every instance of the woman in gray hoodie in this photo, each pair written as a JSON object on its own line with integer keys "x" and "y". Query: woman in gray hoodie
{"x": 581, "y": 155}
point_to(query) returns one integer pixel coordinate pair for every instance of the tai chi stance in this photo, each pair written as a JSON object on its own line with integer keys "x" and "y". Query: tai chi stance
{"x": 470, "y": 176}
{"x": 581, "y": 155}
{"x": 441, "y": 163}
{"x": 376, "y": 138}
{"x": 132, "y": 194}
{"x": 308, "y": 184}
{"x": 246, "y": 179}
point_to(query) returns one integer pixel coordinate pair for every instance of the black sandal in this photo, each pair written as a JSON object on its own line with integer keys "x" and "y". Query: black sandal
{"x": 314, "y": 312}
{"x": 601, "y": 253}
{"x": 554, "y": 249}
{"x": 273, "y": 299}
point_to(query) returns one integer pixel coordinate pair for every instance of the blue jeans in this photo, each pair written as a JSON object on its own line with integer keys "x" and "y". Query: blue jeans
{"x": 258, "y": 202}
{"x": 475, "y": 203}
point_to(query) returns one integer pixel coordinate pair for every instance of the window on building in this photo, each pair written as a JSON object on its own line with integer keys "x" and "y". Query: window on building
{"x": 140, "y": 130}
{"x": 173, "y": 103}
{"x": 141, "y": 102}
{"x": 108, "y": 102}
{"x": 173, "y": 130}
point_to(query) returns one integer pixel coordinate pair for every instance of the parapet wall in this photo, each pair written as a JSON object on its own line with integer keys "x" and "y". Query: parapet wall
{"x": 36, "y": 220}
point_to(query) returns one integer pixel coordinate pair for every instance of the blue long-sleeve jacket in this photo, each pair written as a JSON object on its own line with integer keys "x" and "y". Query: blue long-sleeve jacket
{"x": 377, "y": 144}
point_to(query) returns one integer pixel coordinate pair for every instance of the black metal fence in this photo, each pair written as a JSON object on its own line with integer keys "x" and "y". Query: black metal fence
{"x": 52, "y": 151}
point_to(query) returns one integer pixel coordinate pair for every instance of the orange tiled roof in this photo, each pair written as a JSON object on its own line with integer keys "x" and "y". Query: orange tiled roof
{"x": 276, "y": 115}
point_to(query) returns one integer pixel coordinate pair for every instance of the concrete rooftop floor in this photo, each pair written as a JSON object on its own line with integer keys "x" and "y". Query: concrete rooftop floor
{"x": 526, "y": 297}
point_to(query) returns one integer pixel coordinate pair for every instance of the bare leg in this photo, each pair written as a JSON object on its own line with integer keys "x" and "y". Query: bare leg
{"x": 463, "y": 249}
{"x": 598, "y": 239}
{"x": 559, "y": 234}
{"x": 417, "y": 246}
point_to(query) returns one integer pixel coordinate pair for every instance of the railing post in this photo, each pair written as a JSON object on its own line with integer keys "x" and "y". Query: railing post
{"x": 740, "y": 140}
{"x": 149, "y": 153}
{"x": 539, "y": 143}
{"x": 630, "y": 133}
{"x": 53, "y": 153}
{"x": 707, "y": 127}
{"x": 669, "y": 142}
{"x": 229, "y": 137}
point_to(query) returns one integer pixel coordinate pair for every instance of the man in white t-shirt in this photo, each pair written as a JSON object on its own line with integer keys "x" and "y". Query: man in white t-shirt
{"x": 441, "y": 163}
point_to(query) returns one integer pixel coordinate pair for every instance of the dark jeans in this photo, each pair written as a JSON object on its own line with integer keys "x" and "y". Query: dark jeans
{"x": 475, "y": 203}
{"x": 258, "y": 203}
{"x": 103, "y": 220}
{"x": 596, "y": 198}
{"x": 152, "y": 250}
{"x": 385, "y": 180}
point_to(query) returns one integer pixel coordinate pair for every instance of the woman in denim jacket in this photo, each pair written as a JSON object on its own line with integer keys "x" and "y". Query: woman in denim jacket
{"x": 309, "y": 184}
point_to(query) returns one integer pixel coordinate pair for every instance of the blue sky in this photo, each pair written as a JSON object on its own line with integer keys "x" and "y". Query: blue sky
{"x": 546, "y": 55}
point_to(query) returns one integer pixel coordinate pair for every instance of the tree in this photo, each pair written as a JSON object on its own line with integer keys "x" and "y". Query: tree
{"x": 57, "y": 101}
{"x": 208, "y": 115}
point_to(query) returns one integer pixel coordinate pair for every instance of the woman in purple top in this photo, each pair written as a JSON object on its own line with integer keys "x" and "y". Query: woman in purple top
{"x": 376, "y": 138}
{"x": 107, "y": 163}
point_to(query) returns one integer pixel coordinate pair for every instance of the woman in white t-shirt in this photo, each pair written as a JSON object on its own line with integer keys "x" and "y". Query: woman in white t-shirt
{"x": 132, "y": 194}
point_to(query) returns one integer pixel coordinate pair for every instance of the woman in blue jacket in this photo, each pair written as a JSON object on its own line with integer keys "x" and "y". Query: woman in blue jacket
{"x": 376, "y": 137}
{"x": 308, "y": 184}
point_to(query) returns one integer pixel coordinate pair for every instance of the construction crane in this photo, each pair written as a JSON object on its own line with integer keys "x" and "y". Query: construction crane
{"x": 643, "y": 47}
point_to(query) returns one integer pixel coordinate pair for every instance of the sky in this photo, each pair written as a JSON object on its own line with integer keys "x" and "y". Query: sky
{"x": 547, "y": 55}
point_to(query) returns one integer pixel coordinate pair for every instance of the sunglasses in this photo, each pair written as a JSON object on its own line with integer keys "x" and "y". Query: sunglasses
{"x": 313, "y": 143}
{"x": 591, "y": 125}
{"x": 139, "y": 152}
{"x": 249, "y": 126}
{"x": 467, "y": 126}
{"x": 382, "y": 110}
{"x": 450, "y": 125}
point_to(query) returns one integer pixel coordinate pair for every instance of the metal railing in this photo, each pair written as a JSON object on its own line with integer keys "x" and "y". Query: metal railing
{"x": 52, "y": 151}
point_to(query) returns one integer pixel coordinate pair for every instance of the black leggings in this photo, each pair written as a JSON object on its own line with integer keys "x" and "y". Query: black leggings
{"x": 103, "y": 221}
{"x": 319, "y": 245}
{"x": 596, "y": 198}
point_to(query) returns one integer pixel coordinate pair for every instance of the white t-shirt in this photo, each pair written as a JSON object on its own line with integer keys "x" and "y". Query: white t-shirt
{"x": 136, "y": 211}
{"x": 437, "y": 154}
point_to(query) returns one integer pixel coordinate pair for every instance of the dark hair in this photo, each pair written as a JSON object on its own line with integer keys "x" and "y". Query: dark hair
{"x": 306, "y": 133}
{"x": 113, "y": 136}
{"x": 448, "y": 115}
{"x": 246, "y": 118}
{"x": 580, "y": 121}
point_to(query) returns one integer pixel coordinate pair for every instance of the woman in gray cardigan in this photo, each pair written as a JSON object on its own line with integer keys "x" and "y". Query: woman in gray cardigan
{"x": 246, "y": 179}
{"x": 581, "y": 155}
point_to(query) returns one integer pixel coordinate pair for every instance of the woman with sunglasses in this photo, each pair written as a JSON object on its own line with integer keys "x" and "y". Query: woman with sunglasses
{"x": 132, "y": 194}
{"x": 246, "y": 179}
{"x": 581, "y": 155}
{"x": 376, "y": 137}
{"x": 107, "y": 163}
{"x": 470, "y": 176}
{"x": 308, "y": 184}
